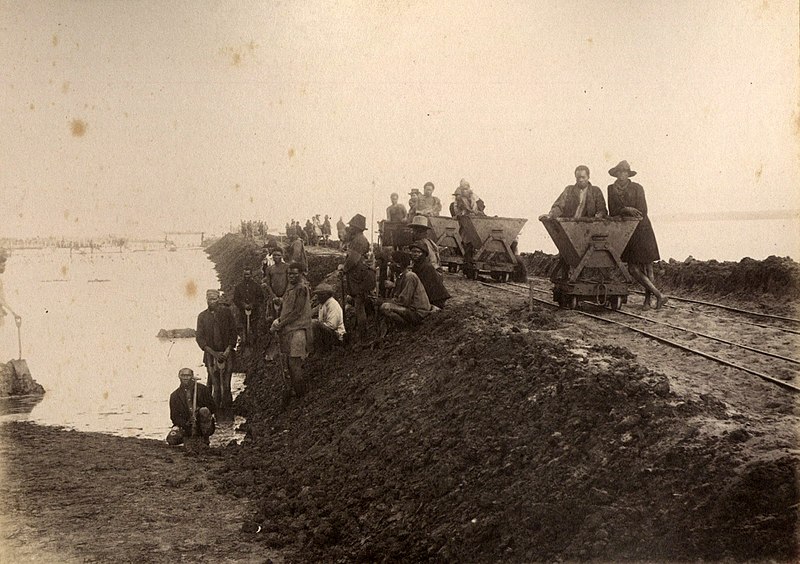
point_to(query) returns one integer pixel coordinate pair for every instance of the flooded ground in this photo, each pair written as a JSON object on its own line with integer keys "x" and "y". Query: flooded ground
{"x": 89, "y": 336}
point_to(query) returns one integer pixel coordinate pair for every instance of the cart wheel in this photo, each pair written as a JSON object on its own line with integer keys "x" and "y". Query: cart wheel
{"x": 452, "y": 268}
{"x": 504, "y": 277}
{"x": 616, "y": 302}
{"x": 573, "y": 302}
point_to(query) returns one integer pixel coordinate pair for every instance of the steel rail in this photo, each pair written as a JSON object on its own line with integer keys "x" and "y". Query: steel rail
{"x": 664, "y": 340}
{"x": 742, "y": 321}
{"x": 707, "y": 336}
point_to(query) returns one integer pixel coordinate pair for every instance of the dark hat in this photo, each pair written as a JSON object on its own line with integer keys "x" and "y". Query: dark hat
{"x": 358, "y": 222}
{"x": 622, "y": 165}
{"x": 401, "y": 258}
{"x": 415, "y": 192}
{"x": 421, "y": 246}
{"x": 323, "y": 289}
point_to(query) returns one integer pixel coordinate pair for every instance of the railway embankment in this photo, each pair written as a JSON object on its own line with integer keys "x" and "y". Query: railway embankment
{"x": 494, "y": 433}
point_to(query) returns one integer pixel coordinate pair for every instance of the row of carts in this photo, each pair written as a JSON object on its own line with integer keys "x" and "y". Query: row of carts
{"x": 469, "y": 243}
{"x": 590, "y": 266}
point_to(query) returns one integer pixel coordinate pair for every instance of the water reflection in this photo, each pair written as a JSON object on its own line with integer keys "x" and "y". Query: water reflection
{"x": 93, "y": 345}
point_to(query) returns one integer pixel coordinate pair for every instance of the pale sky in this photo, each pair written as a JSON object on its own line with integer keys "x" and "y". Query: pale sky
{"x": 137, "y": 117}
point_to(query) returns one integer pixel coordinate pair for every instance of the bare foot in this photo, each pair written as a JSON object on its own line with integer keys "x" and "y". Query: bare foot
{"x": 661, "y": 301}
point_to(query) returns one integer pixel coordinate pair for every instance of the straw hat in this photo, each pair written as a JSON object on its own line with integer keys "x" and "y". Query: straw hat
{"x": 419, "y": 221}
{"x": 358, "y": 222}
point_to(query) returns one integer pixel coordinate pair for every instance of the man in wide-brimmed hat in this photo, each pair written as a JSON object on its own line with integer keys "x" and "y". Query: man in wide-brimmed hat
{"x": 581, "y": 199}
{"x": 421, "y": 230}
{"x": 328, "y": 328}
{"x": 359, "y": 276}
{"x": 626, "y": 198}
{"x": 216, "y": 336}
{"x": 427, "y": 203}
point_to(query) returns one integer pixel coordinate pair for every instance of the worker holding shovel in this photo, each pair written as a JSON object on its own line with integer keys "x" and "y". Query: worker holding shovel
{"x": 292, "y": 327}
{"x": 216, "y": 336}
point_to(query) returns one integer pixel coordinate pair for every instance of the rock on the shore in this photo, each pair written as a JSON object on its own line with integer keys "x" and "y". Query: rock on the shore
{"x": 176, "y": 333}
{"x": 16, "y": 380}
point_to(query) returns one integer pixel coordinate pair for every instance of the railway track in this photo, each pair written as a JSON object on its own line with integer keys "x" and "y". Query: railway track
{"x": 671, "y": 334}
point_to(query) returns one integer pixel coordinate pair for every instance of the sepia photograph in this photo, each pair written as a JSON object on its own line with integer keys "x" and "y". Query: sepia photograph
{"x": 399, "y": 281}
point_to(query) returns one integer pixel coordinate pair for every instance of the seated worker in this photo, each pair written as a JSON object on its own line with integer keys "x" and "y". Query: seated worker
{"x": 409, "y": 303}
{"x": 396, "y": 212}
{"x": 466, "y": 200}
{"x": 420, "y": 228}
{"x": 191, "y": 409}
{"x": 581, "y": 199}
{"x": 427, "y": 203}
{"x": 430, "y": 278}
{"x": 328, "y": 329}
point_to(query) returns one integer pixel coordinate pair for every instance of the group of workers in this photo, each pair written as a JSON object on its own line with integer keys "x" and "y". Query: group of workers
{"x": 314, "y": 232}
{"x": 405, "y": 290}
{"x": 465, "y": 202}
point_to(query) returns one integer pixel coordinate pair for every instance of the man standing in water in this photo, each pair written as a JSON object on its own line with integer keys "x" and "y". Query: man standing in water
{"x": 191, "y": 409}
{"x": 4, "y": 307}
{"x": 216, "y": 337}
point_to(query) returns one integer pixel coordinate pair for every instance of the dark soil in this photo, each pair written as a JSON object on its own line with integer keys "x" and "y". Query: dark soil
{"x": 480, "y": 437}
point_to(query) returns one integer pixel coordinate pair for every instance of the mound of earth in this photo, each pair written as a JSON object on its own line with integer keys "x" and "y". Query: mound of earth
{"x": 233, "y": 253}
{"x": 16, "y": 380}
{"x": 477, "y": 438}
{"x": 481, "y": 437}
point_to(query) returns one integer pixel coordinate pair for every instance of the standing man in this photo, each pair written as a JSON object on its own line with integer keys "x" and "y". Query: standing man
{"x": 428, "y": 204}
{"x": 581, "y": 199}
{"x": 292, "y": 325}
{"x": 396, "y": 212}
{"x": 248, "y": 297}
{"x": 326, "y": 229}
{"x": 328, "y": 328}
{"x": 191, "y": 409}
{"x": 420, "y": 228}
{"x": 360, "y": 277}
{"x": 4, "y": 307}
{"x": 341, "y": 232}
{"x": 296, "y": 251}
{"x": 275, "y": 282}
{"x": 216, "y": 337}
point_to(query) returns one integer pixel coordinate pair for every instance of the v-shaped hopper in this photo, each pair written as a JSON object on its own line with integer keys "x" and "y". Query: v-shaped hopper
{"x": 574, "y": 237}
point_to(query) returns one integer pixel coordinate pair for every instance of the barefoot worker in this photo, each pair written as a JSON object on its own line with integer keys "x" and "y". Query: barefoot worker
{"x": 626, "y": 198}
{"x": 191, "y": 409}
{"x": 409, "y": 303}
{"x": 216, "y": 337}
{"x": 292, "y": 325}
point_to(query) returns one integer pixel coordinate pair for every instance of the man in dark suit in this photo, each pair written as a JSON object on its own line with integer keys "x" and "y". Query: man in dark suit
{"x": 191, "y": 409}
{"x": 580, "y": 199}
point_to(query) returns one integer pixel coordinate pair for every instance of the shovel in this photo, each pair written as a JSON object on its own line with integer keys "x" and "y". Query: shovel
{"x": 18, "y": 321}
{"x": 247, "y": 313}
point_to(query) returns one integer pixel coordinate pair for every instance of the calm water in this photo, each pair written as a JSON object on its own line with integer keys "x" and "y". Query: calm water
{"x": 704, "y": 240}
{"x": 89, "y": 335}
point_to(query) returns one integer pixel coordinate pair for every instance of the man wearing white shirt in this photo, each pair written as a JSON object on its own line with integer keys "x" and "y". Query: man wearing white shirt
{"x": 328, "y": 328}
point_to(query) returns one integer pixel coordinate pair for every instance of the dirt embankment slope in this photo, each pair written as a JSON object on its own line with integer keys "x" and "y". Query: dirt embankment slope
{"x": 482, "y": 436}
